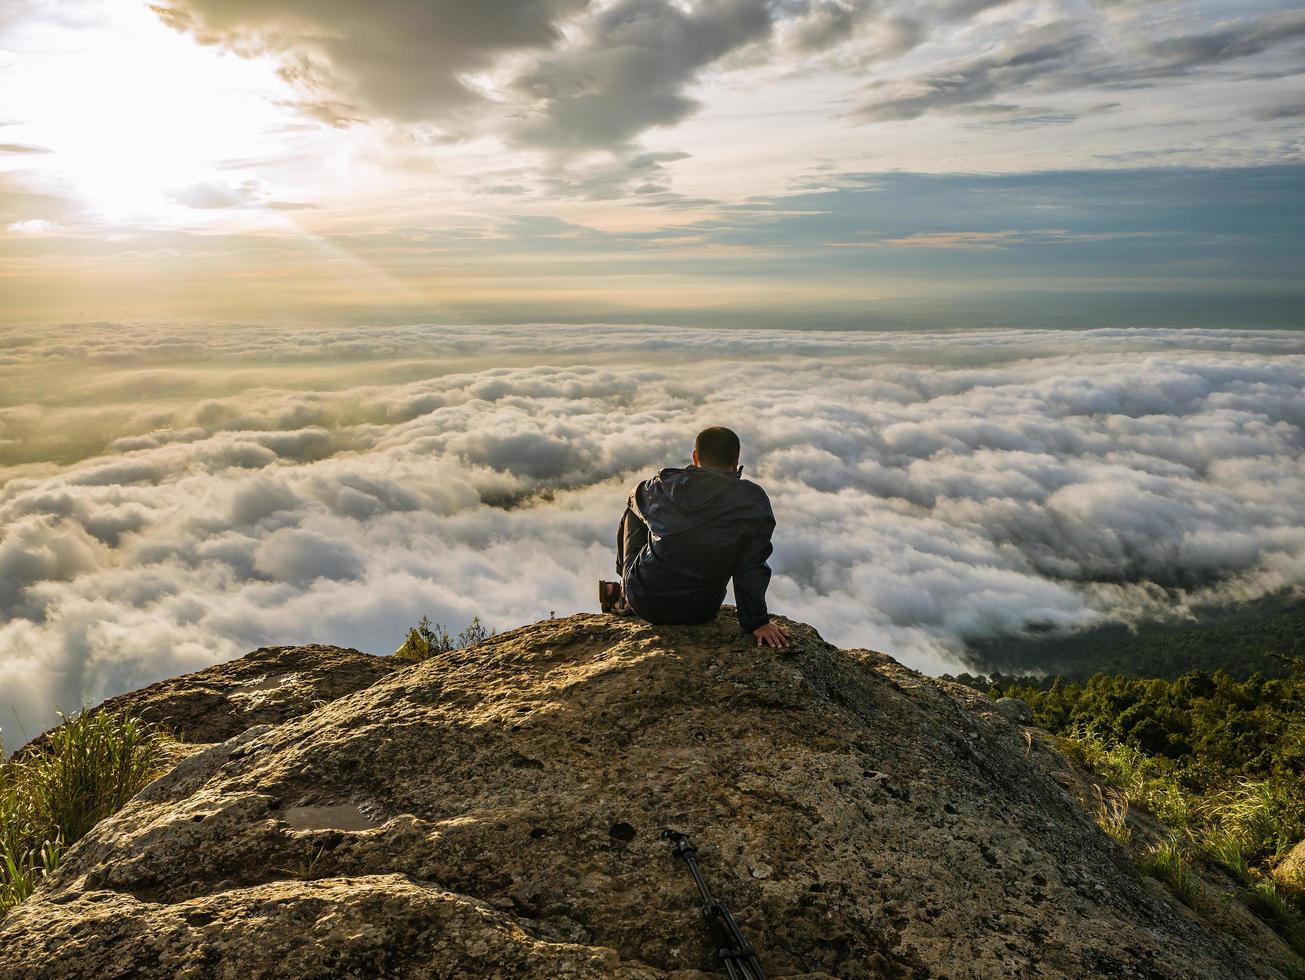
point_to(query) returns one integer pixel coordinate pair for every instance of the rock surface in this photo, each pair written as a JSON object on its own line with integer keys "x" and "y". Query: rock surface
{"x": 1291, "y": 866}
{"x": 268, "y": 686}
{"x": 494, "y": 812}
{"x": 1014, "y": 709}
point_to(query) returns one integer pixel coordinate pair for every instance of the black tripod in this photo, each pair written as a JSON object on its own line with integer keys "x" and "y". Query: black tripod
{"x": 739, "y": 958}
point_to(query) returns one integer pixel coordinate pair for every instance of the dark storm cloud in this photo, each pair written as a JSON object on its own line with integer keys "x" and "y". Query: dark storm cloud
{"x": 633, "y": 66}
{"x": 629, "y": 71}
{"x": 622, "y": 69}
{"x": 1225, "y": 42}
{"x": 1072, "y": 54}
{"x": 406, "y": 59}
{"x": 826, "y": 23}
{"x": 1049, "y": 51}
{"x": 571, "y": 76}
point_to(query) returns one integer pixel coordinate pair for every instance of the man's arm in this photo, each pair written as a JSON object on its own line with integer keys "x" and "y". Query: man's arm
{"x": 631, "y": 535}
{"x": 750, "y": 580}
{"x": 751, "y": 573}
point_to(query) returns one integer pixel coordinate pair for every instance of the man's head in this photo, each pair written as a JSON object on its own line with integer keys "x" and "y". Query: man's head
{"x": 716, "y": 448}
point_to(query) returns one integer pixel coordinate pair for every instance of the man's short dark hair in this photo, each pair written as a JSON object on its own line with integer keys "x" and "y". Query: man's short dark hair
{"x": 717, "y": 447}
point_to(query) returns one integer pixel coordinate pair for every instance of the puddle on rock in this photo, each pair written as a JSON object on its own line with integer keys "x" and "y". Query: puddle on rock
{"x": 342, "y": 816}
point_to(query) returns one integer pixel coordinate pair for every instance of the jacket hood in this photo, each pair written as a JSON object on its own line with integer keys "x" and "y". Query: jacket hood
{"x": 679, "y": 498}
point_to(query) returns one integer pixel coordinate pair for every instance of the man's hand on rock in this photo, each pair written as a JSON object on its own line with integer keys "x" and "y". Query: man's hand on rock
{"x": 770, "y": 635}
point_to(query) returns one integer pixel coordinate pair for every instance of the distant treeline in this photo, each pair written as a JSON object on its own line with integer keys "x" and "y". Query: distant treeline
{"x": 1213, "y": 728}
{"x": 1216, "y": 759}
{"x": 1240, "y": 640}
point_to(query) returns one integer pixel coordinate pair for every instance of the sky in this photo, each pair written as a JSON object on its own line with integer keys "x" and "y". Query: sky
{"x": 743, "y": 162}
{"x": 318, "y": 316}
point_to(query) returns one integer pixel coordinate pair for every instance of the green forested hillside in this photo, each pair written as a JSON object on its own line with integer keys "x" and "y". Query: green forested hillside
{"x": 1219, "y": 761}
{"x": 1239, "y": 640}
{"x": 1211, "y": 729}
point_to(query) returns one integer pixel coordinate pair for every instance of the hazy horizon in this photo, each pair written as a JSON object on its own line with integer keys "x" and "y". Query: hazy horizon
{"x": 833, "y": 162}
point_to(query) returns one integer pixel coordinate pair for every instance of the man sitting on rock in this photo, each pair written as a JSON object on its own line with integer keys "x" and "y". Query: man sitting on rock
{"x": 686, "y": 532}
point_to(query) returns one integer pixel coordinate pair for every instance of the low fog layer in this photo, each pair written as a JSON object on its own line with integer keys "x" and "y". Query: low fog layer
{"x": 174, "y": 497}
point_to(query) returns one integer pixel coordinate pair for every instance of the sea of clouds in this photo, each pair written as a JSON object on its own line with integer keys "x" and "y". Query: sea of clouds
{"x": 173, "y": 497}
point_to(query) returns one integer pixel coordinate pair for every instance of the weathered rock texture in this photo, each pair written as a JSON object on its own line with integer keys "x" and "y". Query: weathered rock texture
{"x": 494, "y": 812}
{"x": 266, "y": 687}
{"x": 1292, "y": 865}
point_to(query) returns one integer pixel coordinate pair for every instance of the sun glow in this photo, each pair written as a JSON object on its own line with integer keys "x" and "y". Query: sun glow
{"x": 136, "y": 113}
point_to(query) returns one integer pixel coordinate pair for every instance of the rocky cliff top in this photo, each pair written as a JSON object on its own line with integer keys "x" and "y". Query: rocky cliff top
{"x": 265, "y": 687}
{"x": 496, "y": 811}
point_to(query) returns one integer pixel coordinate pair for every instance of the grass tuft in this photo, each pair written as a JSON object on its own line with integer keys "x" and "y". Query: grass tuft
{"x": 1226, "y": 849}
{"x": 1170, "y": 862}
{"x": 87, "y": 769}
{"x": 1264, "y": 815}
{"x": 304, "y": 868}
{"x": 1112, "y": 814}
{"x": 1266, "y": 899}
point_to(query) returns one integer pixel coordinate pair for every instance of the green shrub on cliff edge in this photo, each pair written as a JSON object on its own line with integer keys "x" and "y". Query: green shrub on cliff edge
{"x": 426, "y": 639}
{"x": 1215, "y": 759}
{"x": 87, "y": 769}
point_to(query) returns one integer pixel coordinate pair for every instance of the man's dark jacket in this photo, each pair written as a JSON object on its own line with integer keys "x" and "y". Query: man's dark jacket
{"x": 704, "y": 527}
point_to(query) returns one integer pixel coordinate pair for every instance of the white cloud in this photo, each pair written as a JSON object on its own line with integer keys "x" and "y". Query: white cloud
{"x": 34, "y": 226}
{"x": 929, "y": 487}
{"x": 301, "y": 556}
{"x": 209, "y": 195}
